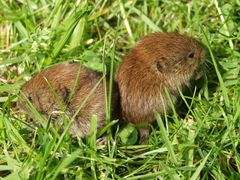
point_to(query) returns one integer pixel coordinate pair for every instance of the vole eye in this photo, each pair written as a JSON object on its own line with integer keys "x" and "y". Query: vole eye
{"x": 30, "y": 97}
{"x": 191, "y": 55}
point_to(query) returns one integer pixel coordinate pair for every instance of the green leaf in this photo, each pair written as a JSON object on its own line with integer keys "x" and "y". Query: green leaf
{"x": 128, "y": 135}
{"x": 92, "y": 61}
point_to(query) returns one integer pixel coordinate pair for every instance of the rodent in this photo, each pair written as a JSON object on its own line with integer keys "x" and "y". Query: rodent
{"x": 159, "y": 61}
{"x": 72, "y": 83}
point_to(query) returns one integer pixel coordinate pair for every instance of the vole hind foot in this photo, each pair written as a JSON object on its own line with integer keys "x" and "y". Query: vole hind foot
{"x": 143, "y": 135}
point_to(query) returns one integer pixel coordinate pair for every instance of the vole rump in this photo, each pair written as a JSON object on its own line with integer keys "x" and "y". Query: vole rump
{"x": 159, "y": 61}
{"x": 69, "y": 84}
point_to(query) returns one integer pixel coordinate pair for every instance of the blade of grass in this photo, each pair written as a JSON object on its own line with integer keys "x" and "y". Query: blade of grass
{"x": 148, "y": 21}
{"x": 138, "y": 170}
{"x": 57, "y": 18}
{"x": 9, "y": 87}
{"x": 57, "y": 6}
{"x": 175, "y": 118}
{"x": 10, "y": 61}
{"x": 170, "y": 171}
{"x": 147, "y": 176}
{"x": 65, "y": 162}
{"x": 125, "y": 20}
{"x": 92, "y": 145}
{"x": 224, "y": 23}
{"x": 223, "y": 88}
{"x": 22, "y": 30}
{"x": 15, "y": 136}
{"x": 67, "y": 34}
{"x": 166, "y": 139}
{"x": 200, "y": 167}
{"x": 77, "y": 34}
{"x": 43, "y": 160}
{"x": 105, "y": 128}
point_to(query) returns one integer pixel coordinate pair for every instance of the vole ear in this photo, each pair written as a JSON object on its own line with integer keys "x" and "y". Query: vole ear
{"x": 160, "y": 64}
{"x": 159, "y": 67}
{"x": 65, "y": 92}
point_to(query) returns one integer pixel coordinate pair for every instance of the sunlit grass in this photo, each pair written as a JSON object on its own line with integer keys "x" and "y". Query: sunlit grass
{"x": 202, "y": 143}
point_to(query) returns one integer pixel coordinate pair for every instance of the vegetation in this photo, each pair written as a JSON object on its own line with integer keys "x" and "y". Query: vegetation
{"x": 203, "y": 143}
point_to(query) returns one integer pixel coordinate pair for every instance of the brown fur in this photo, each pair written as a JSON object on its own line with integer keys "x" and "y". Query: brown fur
{"x": 62, "y": 79}
{"x": 159, "y": 61}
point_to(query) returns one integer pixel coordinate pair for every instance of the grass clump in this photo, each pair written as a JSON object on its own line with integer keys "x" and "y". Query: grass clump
{"x": 204, "y": 143}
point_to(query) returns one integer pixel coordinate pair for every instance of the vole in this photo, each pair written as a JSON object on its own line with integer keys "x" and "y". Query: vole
{"x": 64, "y": 88}
{"x": 158, "y": 62}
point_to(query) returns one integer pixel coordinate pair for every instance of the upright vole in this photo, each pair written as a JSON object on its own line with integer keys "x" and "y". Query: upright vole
{"x": 158, "y": 62}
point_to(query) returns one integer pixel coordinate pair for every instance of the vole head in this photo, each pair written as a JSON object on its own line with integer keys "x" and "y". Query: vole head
{"x": 39, "y": 91}
{"x": 171, "y": 53}
{"x": 163, "y": 56}
{"x": 28, "y": 94}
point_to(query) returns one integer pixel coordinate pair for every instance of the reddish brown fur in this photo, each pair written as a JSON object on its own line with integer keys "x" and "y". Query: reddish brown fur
{"x": 62, "y": 79}
{"x": 159, "y": 61}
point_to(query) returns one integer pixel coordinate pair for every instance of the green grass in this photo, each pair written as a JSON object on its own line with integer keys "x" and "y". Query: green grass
{"x": 202, "y": 144}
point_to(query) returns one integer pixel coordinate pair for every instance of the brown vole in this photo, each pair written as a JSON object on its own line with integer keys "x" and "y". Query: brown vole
{"x": 159, "y": 61}
{"x": 69, "y": 84}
